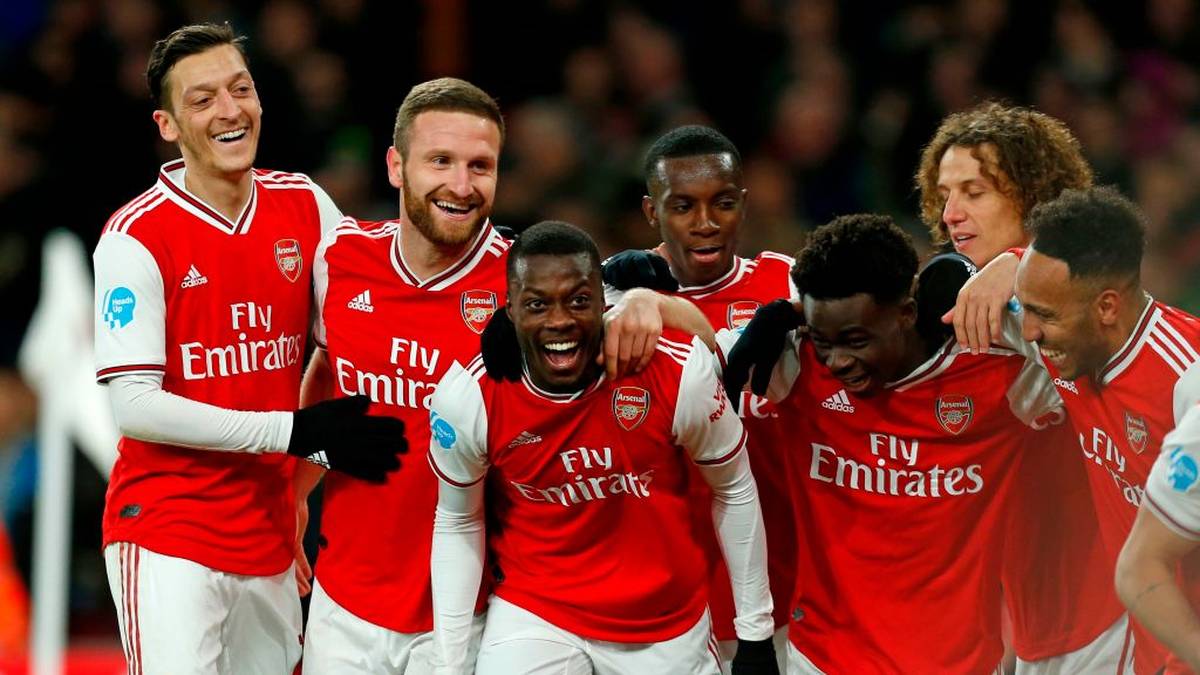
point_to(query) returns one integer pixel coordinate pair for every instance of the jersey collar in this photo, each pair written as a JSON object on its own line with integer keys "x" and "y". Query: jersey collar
{"x": 487, "y": 239}
{"x": 171, "y": 182}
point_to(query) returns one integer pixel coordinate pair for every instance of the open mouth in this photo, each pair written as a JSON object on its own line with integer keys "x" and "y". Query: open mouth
{"x": 961, "y": 240}
{"x": 454, "y": 209}
{"x": 856, "y": 382}
{"x": 706, "y": 254}
{"x": 232, "y": 136}
{"x": 1054, "y": 356}
{"x": 562, "y": 355}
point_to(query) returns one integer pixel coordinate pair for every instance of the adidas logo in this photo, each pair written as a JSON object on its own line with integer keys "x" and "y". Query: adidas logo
{"x": 319, "y": 458}
{"x": 362, "y": 302}
{"x": 193, "y": 278}
{"x": 525, "y": 439}
{"x": 839, "y": 402}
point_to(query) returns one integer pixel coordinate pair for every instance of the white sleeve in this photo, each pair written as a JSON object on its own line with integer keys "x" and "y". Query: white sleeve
{"x": 1187, "y": 391}
{"x": 456, "y": 570}
{"x": 320, "y": 280}
{"x": 1033, "y": 398}
{"x": 330, "y": 214}
{"x": 612, "y": 295}
{"x": 131, "y": 310}
{"x": 458, "y": 426}
{"x": 144, "y": 411}
{"x": 705, "y": 423}
{"x": 787, "y": 368}
{"x": 1173, "y": 487}
{"x": 739, "y": 525}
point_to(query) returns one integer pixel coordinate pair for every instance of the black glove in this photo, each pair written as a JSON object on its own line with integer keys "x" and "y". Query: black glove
{"x": 501, "y": 353}
{"x": 505, "y": 231}
{"x": 638, "y": 269}
{"x": 755, "y": 657}
{"x": 938, "y": 284}
{"x": 759, "y": 348}
{"x": 341, "y": 436}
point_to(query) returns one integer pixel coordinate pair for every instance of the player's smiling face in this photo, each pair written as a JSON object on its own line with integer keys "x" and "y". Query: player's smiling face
{"x": 215, "y": 112}
{"x": 448, "y": 176}
{"x": 698, "y": 207}
{"x": 863, "y": 343}
{"x": 981, "y": 221}
{"x": 556, "y": 303}
{"x": 1060, "y": 316}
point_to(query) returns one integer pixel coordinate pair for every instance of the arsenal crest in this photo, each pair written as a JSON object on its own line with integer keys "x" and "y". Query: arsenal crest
{"x": 477, "y": 307}
{"x": 1136, "y": 432}
{"x": 287, "y": 256}
{"x": 630, "y": 405}
{"x": 954, "y": 412}
{"x": 740, "y": 313}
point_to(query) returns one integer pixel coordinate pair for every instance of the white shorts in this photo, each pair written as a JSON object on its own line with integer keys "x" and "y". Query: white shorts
{"x": 518, "y": 642}
{"x": 337, "y": 641}
{"x": 180, "y": 617}
{"x": 1111, "y": 653}
{"x": 728, "y": 649}
{"x": 798, "y": 664}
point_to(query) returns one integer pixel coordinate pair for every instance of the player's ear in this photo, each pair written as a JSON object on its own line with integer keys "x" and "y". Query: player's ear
{"x": 908, "y": 313}
{"x": 395, "y": 167}
{"x": 167, "y": 128}
{"x": 1107, "y": 306}
{"x": 648, "y": 211}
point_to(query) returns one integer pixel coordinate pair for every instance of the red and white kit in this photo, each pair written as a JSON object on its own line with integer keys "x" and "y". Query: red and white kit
{"x": 901, "y": 500}
{"x": 1120, "y": 421}
{"x": 392, "y": 336}
{"x": 590, "y": 527}
{"x": 730, "y": 303}
{"x": 211, "y": 317}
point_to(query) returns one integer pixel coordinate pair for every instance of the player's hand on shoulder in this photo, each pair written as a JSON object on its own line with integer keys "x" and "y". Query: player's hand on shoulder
{"x": 755, "y": 657}
{"x": 631, "y": 331}
{"x": 754, "y": 355}
{"x": 339, "y": 435}
{"x": 938, "y": 284}
{"x": 978, "y": 314}
{"x": 636, "y": 268}
{"x": 501, "y": 352}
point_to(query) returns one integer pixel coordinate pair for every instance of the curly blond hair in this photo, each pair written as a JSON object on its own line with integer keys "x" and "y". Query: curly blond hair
{"x": 1035, "y": 158}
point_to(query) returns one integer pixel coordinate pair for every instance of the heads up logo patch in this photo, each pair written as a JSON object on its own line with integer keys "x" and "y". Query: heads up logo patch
{"x": 442, "y": 431}
{"x": 118, "y": 307}
{"x": 1183, "y": 472}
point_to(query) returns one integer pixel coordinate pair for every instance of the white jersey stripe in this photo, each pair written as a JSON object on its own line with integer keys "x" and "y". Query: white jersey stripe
{"x": 115, "y": 220}
{"x": 1190, "y": 352}
{"x": 1163, "y": 338}
{"x": 131, "y": 218}
{"x": 1167, "y": 357}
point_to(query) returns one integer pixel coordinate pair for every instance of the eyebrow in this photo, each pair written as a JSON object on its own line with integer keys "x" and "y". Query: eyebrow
{"x": 212, "y": 86}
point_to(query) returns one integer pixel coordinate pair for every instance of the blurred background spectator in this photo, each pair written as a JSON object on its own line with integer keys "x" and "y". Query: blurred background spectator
{"x": 829, "y": 102}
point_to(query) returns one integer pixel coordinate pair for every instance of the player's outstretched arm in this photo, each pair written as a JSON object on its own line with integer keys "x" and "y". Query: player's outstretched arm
{"x": 1146, "y": 583}
{"x": 456, "y": 569}
{"x": 755, "y": 354}
{"x": 978, "y": 315}
{"x": 632, "y": 328}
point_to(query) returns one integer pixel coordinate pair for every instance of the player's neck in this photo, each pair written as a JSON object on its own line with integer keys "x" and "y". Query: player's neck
{"x": 227, "y": 194}
{"x": 426, "y": 258}
{"x": 916, "y": 352}
{"x": 1116, "y": 337}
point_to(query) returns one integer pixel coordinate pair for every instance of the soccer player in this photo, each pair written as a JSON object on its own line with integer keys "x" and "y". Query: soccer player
{"x": 203, "y": 288}
{"x": 1124, "y": 363}
{"x": 1164, "y": 535}
{"x": 696, "y": 201}
{"x": 587, "y": 493}
{"x": 399, "y": 302}
{"x": 982, "y": 171}
{"x": 904, "y": 464}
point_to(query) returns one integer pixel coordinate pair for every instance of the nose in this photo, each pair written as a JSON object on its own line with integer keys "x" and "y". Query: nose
{"x": 705, "y": 223}
{"x": 838, "y": 361}
{"x": 225, "y": 105}
{"x": 558, "y": 317}
{"x": 459, "y": 180}
{"x": 952, "y": 212}
{"x": 1031, "y": 328}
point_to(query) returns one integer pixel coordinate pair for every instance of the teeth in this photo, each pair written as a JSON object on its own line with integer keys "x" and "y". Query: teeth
{"x": 561, "y": 346}
{"x": 1052, "y": 354}
{"x": 230, "y": 135}
{"x": 451, "y": 206}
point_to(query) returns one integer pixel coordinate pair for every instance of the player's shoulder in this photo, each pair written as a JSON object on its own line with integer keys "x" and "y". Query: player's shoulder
{"x": 458, "y": 382}
{"x": 352, "y": 233}
{"x": 283, "y": 180}
{"x": 1177, "y": 320}
{"x": 770, "y": 260}
{"x": 138, "y": 214}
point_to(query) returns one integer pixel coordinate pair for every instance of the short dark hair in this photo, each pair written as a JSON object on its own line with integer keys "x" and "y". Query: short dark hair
{"x": 551, "y": 237}
{"x": 689, "y": 141}
{"x": 447, "y": 94}
{"x": 183, "y": 42}
{"x": 1098, "y": 232}
{"x": 861, "y": 253}
{"x": 1036, "y": 154}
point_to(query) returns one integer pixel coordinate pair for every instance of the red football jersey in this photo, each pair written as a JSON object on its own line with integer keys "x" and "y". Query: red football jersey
{"x": 1120, "y": 422}
{"x": 901, "y": 500}
{"x": 587, "y": 493}
{"x": 730, "y": 303}
{"x": 221, "y": 310}
{"x": 392, "y": 337}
